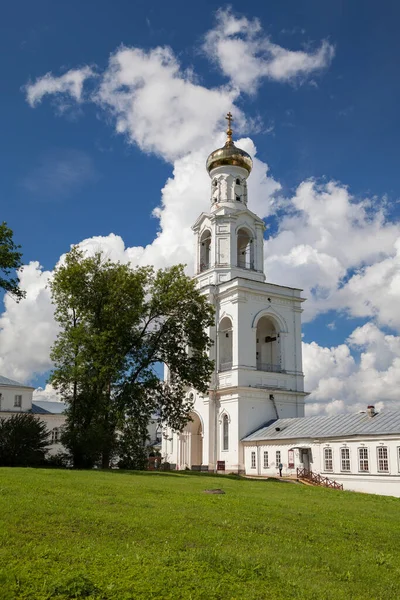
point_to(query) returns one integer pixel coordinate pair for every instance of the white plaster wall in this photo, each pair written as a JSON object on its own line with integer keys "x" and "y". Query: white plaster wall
{"x": 369, "y": 482}
{"x": 8, "y": 395}
{"x": 52, "y": 422}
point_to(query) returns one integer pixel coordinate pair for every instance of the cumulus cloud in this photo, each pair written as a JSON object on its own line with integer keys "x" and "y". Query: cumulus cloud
{"x": 339, "y": 383}
{"x": 246, "y": 55}
{"x": 46, "y": 394}
{"x": 340, "y": 250}
{"x": 70, "y": 84}
{"x": 27, "y": 329}
{"x": 158, "y": 105}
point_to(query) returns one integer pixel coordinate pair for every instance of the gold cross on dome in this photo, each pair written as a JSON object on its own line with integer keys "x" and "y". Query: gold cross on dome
{"x": 229, "y": 118}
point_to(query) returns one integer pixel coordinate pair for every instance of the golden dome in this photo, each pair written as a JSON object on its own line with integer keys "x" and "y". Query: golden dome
{"x": 229, "y": 154}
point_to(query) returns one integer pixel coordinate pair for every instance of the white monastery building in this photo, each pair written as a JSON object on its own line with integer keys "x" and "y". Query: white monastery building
{"x": 16, "y": 398}
{"x": 252, "y": 417}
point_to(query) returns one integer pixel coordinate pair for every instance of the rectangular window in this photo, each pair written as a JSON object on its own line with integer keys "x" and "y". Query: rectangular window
{"x": 18, "y": 400}
{"x": 363, "y": 465}
{"x": 383, "y": 459}
{"x": 253, "y": 460}
{"x": 265, "y": 460}
{"x": 54, "y": 435}
{"x": 278, "y": 458}
{"x": 328, "y": 459}
{"x": 345, "y": 459}
{"x": 398, "y": 458}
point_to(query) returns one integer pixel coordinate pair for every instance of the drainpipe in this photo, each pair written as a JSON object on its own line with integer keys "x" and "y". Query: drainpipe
{"x": 215, "y": 293}
{"x": 272, "y": 398}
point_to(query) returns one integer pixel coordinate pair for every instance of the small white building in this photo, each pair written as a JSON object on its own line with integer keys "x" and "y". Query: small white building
{"x": 17, "y": 398}
{"x": 360, "y": 451}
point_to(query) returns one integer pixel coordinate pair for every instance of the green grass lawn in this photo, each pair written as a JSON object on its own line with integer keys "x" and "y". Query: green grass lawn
{"x": 116, "y": 535}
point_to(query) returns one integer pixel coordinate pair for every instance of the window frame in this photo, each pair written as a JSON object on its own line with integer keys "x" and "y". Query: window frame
{"x": 18, "y": 403}
{"x": 326, "y": 460}
{"x": 342, "y": 460}
{"x": 265, "y": 459}
{"x": 278, "y": 461}
{"x": 383, "y": 459}
{"x": 253, "y": 463}
{"x": 362, "y": 449}
{"x": 225, "y": 433}
{"x": 398, "y": 459}
{"x": 55, "y": 435}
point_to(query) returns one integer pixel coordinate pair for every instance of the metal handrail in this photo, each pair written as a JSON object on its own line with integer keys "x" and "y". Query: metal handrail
{"x": 226, "y": 366}
{"x": 269, "y": 367}
{"x": 317, "y": 479}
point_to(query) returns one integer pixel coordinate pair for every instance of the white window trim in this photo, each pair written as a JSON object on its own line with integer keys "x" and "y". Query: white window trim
{"x": 341, "y": 460}
{"x": 359, "y": 460}
{"x": 277, "y": 462}
{"x": 265, "y": 455}
{"x": 331, "y": 459}
{"x": 18, "y": 404}
{"x": 225, "y": 419}
{"x": 377, "y": 459}
{"x": 253, "y": 456}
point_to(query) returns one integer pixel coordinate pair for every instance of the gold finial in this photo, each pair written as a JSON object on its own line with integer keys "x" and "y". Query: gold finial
{"x": 229, "y": 118}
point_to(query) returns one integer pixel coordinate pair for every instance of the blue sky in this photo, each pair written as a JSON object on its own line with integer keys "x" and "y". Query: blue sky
{"x": 68, "y": 175}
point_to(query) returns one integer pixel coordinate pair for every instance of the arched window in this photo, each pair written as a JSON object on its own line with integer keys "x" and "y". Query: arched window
{"x": 225, "y": 345}
{"x": 205, "y": 251}
{"x": 268, "y": 346}
{"x": 225, "y": 433}
{"x": 245, "y": 249}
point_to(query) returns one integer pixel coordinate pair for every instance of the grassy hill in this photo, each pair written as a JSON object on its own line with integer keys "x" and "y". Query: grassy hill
{"x": 116, "y": 535}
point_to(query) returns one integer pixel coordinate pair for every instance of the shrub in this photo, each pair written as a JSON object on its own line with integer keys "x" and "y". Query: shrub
{"x": 23, "y": 441}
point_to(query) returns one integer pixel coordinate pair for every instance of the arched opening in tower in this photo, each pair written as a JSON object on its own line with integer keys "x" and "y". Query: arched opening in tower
{"x": 268, "y": 346}
{"x": 245, "y": 249}
{"x": 191, "y": 439}
{"x": 205, "y": 251}
{"x": 225, "y": 344}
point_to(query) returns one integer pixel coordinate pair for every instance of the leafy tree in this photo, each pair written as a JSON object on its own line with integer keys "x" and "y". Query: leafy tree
{"x": 10, "y": 259}
{"x": 131, "y": 449}
{"x": 116, "y": 325}
{"x": 23, "y": 441}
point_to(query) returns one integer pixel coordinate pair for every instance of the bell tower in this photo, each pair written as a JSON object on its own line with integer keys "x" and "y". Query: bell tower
{"x": 256, "y": 337}
{"x": 229, "y": 240}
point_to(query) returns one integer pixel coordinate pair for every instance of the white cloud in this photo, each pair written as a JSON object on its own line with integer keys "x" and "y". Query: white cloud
{"x": 246, "y": 55}
{"x": 343, "y": 251}
{"x": 27, "y": 329}
{"x": 338, "y": 383}
{"x": 46, "y": 394}
{"x": 70, "y": 84}
{"x": 158, "y": 105}
{"x": 325, "y": 236}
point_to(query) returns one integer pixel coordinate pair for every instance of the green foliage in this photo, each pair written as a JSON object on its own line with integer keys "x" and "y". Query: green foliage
{"x": 140, "y": 536}
{"x": 132, "y": 450}
{"x": 116, "y": 324}
{"x": 10, "y": 260}
{"x": 23, "y": 441}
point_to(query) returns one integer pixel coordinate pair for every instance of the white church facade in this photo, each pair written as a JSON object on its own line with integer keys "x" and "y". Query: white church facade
{"x": 252, "y": 418}
{"x": 257, "y": 333}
